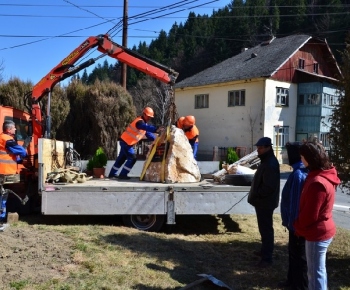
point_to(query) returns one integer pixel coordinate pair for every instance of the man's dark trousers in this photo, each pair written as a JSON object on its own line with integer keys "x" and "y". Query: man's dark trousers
{"x": 297, "y": 271}
{"x": 265, "y": 224}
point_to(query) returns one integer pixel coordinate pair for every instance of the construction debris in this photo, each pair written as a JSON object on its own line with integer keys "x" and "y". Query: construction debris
{"x": 206, "y": 277}
{"x": 67, "y": 176}
{"x": 250, "y": 161}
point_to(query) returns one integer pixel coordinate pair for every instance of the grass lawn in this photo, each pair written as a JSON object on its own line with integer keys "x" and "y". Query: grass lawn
{"x": 102, "y": 254}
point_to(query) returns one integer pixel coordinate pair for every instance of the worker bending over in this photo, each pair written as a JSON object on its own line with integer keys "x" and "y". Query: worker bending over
{"x": 191, "y": 132}
{"x": 11, "y": 155}
{"x": 179, "y": 122}
{"x": 131, "y": 136}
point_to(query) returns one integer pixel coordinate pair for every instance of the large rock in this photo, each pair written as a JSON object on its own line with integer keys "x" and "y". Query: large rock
{"x": 180, "y": 166}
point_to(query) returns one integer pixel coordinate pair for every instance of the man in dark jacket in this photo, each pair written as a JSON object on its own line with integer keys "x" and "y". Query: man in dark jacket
{"x": 264, "y": 196}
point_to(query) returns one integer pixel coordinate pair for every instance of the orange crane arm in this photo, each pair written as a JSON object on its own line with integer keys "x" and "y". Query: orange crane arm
{"x": 106, "y": 46}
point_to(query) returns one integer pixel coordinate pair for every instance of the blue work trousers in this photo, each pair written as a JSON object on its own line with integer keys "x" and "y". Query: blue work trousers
{"x": 3, "y": 201}
{"x": 127, "y": 153}
{"x": 195, "y": 149}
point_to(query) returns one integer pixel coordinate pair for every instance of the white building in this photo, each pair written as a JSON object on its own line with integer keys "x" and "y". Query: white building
{"x": 259, "y": 92}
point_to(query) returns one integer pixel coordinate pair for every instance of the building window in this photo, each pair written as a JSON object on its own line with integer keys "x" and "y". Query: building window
{"x": 313, "y": 99}
{"x": 201, "y": 101}
{"x": 236, "y": 98}
{"x": 281, "y": 135}
{"x": 282, "y": 97}
{"x": 301, "y": 63}
{"x": 301, "y": 99}
{"x": 316, "y": 68}
{"x": 324, "y": 139}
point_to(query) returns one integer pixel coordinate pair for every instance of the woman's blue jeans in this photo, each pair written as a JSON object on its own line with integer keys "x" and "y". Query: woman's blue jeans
{"x": 316, "y": 264}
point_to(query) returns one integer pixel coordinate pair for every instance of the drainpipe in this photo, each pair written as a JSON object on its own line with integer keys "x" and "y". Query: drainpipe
{"x": 277, "y": 139}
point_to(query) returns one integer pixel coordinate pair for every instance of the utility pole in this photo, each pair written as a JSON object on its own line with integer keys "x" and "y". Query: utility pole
{"x": 125, "y": 42}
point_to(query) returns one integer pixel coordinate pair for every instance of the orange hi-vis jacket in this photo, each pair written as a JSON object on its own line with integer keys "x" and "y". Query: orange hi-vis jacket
{"x": 132, "y": 135}
{"x": 8, "y": 163}
{"x": 192, "y": 133}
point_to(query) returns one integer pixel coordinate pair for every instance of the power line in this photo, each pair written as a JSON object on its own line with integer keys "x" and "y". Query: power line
{"x": 146, "y": 7}
{"x": 175, "y": 17}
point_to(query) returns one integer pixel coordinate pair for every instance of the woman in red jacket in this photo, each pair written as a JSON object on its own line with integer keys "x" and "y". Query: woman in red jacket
{"x": 315, "y": 222}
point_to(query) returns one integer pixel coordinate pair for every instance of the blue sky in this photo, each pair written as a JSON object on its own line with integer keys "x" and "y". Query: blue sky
{"x": 36, "y": 35}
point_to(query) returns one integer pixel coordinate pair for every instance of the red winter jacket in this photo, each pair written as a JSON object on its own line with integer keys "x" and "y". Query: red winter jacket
{"x": 315, "y": 220}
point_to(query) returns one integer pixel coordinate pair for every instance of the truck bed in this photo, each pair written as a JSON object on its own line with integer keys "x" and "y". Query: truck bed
{"x": 113, "y": 197}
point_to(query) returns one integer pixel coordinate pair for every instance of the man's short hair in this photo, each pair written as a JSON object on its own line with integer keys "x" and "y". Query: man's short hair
{"x": 8, "y": 125}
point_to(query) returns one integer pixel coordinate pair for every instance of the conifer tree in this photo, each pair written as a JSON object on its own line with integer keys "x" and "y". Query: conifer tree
{"x": 340, "y": 129}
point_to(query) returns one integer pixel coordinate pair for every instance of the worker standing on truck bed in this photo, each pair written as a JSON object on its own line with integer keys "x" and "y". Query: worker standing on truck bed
{"x": 132, "y": 135}
{"x": 191, "y": 132}
{"x": 10, "y": 155}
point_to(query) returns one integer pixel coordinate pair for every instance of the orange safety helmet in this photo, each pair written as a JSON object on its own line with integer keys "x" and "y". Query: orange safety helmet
{"x": 179, "y": 122}
{"x": 189, "y": 121}
{"x": 148, "y": 112}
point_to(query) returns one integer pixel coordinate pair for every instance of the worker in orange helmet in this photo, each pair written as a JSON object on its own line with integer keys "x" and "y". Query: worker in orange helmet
{"x": 132, "y": 135}
{"x": 191, "y": 132}
{"x": 179, "y": 122}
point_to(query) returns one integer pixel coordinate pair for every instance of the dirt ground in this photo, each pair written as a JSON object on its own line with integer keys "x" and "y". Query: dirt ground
{"x": 28, "y": 253}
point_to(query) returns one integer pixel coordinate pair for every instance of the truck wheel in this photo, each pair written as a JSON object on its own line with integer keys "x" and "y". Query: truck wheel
{"x": 147, "y": 222}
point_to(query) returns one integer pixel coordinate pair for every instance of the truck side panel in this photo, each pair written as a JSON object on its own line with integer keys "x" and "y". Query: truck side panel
{"x": 102, "y": 203}
{"x": 215, "y": 202}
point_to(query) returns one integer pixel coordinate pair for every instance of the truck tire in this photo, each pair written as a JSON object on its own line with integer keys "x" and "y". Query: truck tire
{"x": 239, "y": 179}
{"x": 147, "y": 222}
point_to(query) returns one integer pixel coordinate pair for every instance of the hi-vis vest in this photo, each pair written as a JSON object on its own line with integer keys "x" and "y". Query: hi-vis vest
{"x": 192, "y": 133}
{"x": 8, "y": 164}
{"x": 132, "y": 135}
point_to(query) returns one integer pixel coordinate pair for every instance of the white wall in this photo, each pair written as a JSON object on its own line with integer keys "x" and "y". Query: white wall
{"x": 220, "y": 125}
{"x": 282, "y": 116}
{"x": 223, "y": 126}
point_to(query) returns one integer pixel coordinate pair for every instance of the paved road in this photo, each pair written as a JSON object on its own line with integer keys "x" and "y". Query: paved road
{"x": 341, "y": 210}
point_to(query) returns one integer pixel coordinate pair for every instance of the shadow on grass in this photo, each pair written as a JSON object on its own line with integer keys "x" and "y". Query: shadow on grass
{"x": 185, "y": 224}
{"x": 229, "y": 260}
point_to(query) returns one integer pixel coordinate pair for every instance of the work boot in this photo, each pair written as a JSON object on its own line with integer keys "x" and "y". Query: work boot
{"x": 3, "y": 226}
{"x": 123, "y": 177}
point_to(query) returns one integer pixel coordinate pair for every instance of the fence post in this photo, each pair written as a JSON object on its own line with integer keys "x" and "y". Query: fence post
{"x": 216, "y": 153}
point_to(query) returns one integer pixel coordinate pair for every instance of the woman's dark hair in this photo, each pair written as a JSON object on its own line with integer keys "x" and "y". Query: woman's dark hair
{"x": 315, "y": 155}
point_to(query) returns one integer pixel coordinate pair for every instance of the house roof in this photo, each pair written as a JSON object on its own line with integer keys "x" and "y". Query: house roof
{"x": 262, "y": 60}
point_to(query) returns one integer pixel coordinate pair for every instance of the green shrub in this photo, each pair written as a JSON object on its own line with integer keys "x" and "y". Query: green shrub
{"x": 232, "y": 156}
{"x": 99, "y": 160}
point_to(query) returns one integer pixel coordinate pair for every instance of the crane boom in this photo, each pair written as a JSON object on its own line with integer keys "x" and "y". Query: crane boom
{"x": 106, "y": 46}
{"x": 66, "y": 68}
